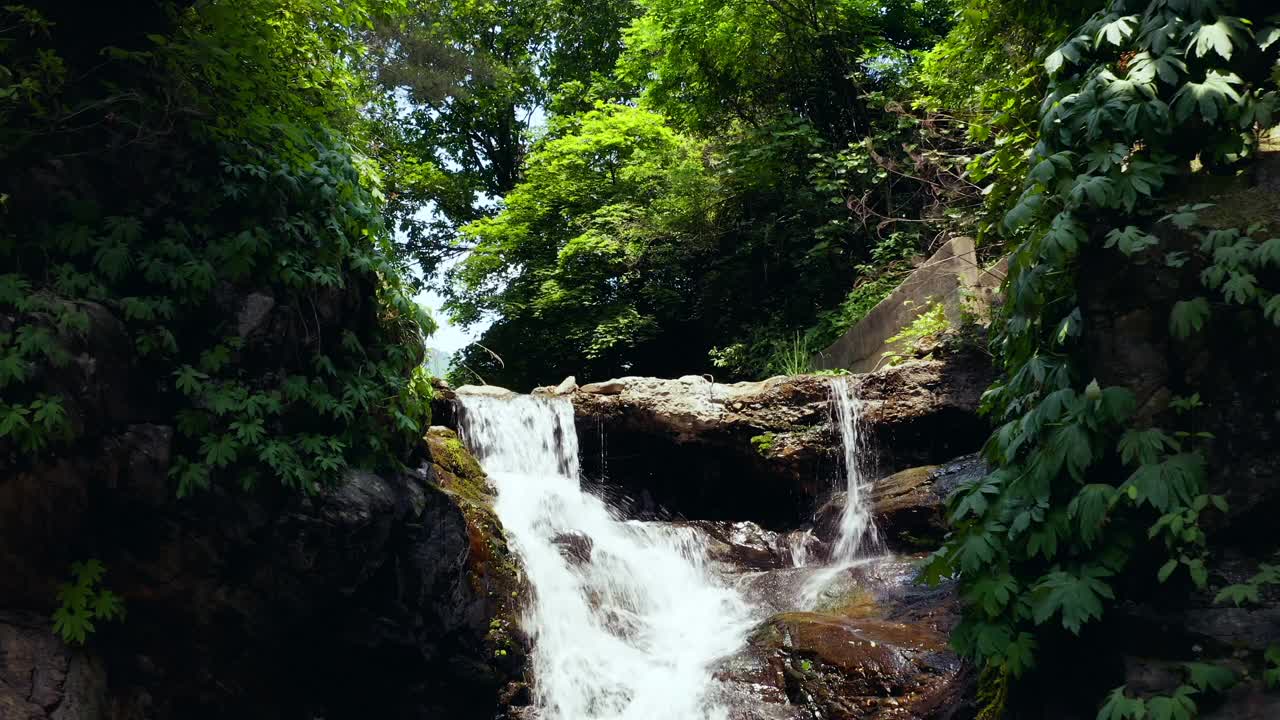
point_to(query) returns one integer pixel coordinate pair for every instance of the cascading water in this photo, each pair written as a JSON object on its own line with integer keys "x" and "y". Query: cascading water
{"x": 626, "y": 618}
{"x": 856, "y": 526}
{"x": 858, "y": 540}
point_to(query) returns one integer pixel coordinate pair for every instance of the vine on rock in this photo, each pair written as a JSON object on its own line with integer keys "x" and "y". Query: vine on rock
{"x": 1143, "y": 95}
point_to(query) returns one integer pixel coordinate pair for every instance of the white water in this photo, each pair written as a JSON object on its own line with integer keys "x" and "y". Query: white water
{"x": 858, "y": 541}
{"x": 856, "y": 526}
{"x": 630, "y": 627}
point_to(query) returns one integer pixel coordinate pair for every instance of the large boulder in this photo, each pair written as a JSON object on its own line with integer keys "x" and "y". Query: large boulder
{"x": 254, "y": 606}
{"x": 382, "y": 595}
{"x": 875, "y": 646}
{"x": 767, "y": 451}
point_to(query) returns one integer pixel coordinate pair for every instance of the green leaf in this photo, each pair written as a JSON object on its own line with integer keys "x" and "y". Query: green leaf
{"x": 1145, "y": 67}
{"x": 1205, "y": 676}
{"x": 1167, "y": 569}
{"x": 1089, "y": 509}
{"x": 1178, "y": 706}
{"x": 1144, "y": 447}
{"x": 977, "y": 550}
{"x": 1116, "y": 31}
{"x": 1209, "y": 97}
{"x": 1131, "y": 240}
{"x": 89, "y": 572}
{"x": 220, "y": 451}
{"x": 1267, "y": 37}
{"x": 108, "y": 606}
{"x": 1268, "y": 253}
{"x": 1238, "y": 594}
{"x": 72, "y": 624}
{"x": 1067, "y": 53}
{"x": 1270, "y": 310}
{"x": 1188, "y": 316}
{"x": 13, "y": 419}
{"x": 189, "y": 380}
{"x": 1221, "y": 37}
{"x": 1240, "y": 288}
{"x": 992, "y": 594}
{"x": 1077, "y": 597}
{"x": 1122, "y": 707}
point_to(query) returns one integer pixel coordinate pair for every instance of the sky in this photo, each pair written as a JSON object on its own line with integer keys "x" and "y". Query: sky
{"x": 447, "y": 338}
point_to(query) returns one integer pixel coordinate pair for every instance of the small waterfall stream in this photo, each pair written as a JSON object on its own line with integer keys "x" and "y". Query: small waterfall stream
{"x": 856, "y": 526}
{"x": 626, "y": 618}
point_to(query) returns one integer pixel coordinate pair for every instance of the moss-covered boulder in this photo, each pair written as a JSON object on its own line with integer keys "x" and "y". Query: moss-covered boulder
{"x": 494, "y": 573}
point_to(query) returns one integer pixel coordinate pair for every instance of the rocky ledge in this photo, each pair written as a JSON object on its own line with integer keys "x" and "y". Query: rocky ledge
{"x": 767, "y": 451}
{"x": 274, "y": 604}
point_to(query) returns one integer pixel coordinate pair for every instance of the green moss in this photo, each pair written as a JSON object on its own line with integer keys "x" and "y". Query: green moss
{"x": 494, "y": 573}
{"x": 763, "y": 443}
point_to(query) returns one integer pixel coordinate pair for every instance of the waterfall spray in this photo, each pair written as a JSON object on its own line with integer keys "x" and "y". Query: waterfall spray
{"x": 626, "y": 619}
{"x": 856, "y": 526}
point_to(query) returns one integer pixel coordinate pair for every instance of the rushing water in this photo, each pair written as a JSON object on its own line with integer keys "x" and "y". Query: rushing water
{"x": 857, "y": 542}
{"x": 856, "y": 526}
{"x": 626, "y": 617}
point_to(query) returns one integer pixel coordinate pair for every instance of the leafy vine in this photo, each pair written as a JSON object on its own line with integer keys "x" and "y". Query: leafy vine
{"x": 1145, "y": 93}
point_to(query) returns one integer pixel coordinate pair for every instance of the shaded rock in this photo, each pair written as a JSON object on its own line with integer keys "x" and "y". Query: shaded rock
{"x": 909, "y": 506}
{"x": 767, "y": 451}
{"x": 262, "y": 605}
{"x": 42, "y": 679}
{"x": 253, "y": 312}
{"x": 833, "y": 666}
{"x": 874, "y": 647}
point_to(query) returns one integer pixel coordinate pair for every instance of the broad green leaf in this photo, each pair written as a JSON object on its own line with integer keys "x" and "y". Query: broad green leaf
{"x": 1089, "y": 509}
{"x": 1077, "y": 597}
{"x": 1220, "y": 37}
{"x": 1209, "y": 97}
{"x": 1205, "y": 676}
{"x": 1188, "y": 316}
{"x": 1144, "y": 447}
{"x": 1122, "y": 707}
{"x": 1116, "y": 31}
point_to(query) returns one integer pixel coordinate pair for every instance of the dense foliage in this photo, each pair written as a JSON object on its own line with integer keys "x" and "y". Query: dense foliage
{"x": 167, "y": 168}
{"x": 798, "y": 169}
{"x": 1141, "y": 97}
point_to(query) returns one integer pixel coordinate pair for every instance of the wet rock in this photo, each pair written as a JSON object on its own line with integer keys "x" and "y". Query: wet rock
{"x": 833, "y": 666}
{"x": 909, "y": 506}
{"x": 574, "y": 546}
{"x": 767, "y": 451}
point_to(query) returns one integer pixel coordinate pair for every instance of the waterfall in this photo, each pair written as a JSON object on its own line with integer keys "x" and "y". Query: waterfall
{"x": 625, "y": 617}
{"x": 856, "y": 526}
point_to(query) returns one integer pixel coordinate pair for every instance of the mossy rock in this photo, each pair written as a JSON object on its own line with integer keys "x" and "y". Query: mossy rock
{"x": 495, "y": 573}
{"x": 839, "y": 666}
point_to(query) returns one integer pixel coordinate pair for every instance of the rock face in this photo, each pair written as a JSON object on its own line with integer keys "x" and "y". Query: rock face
{"x": 766, "y": 451}
{"x": 381, "y": 596}
{"x": 388, "y": 596}
{"x": 909, "y": 506}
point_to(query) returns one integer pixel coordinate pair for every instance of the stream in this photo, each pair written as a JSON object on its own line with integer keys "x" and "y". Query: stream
{"x": 629, "y": 619}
